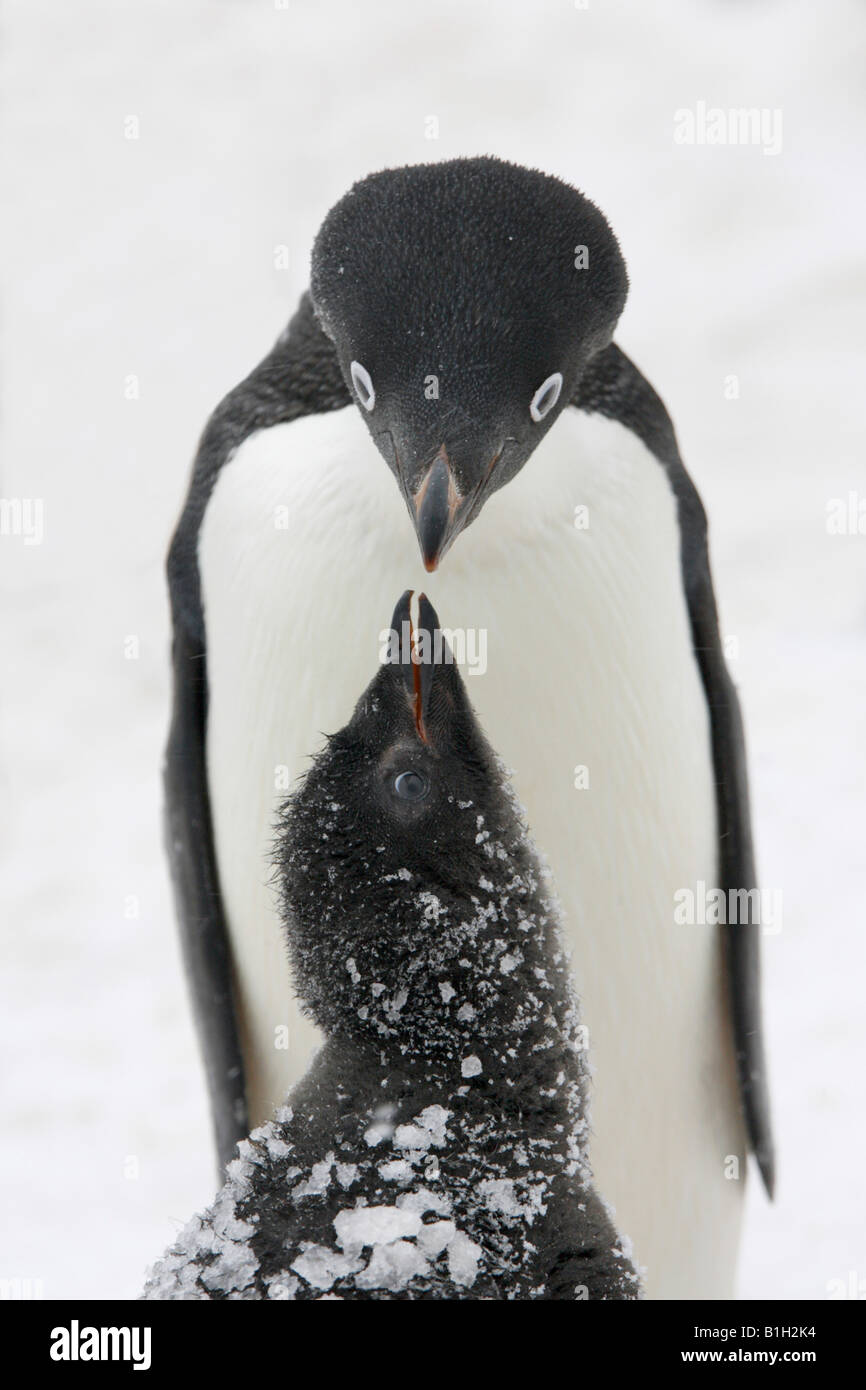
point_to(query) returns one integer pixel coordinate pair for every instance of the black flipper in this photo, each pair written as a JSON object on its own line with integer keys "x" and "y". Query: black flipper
{"x": 614, "y": 387}
{"x": 300, "y": 376}
{"x": 204, "y": 939}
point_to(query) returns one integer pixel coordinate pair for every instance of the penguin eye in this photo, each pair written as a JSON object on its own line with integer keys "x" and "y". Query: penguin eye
{"x": 546, "y": 397}
{"x": 411, "y": 786}
{"x": 363, "y": 384}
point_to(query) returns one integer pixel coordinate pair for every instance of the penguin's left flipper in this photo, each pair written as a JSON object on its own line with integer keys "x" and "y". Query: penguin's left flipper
{"x": 613, "y": 387}
{"x": 742, "y": 940}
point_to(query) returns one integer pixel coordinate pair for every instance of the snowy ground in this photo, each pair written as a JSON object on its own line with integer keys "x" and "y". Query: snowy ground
{"x": 153, "y": 259}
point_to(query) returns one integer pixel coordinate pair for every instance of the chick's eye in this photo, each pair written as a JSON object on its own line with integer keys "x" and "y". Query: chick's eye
{"x": 363, "y": 384}
{"x": 411, "y": 786}
{"x": 546, "y": 397}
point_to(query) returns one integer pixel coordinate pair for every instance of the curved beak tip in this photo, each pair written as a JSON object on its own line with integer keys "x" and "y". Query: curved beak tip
{"x": 437, "y": 505}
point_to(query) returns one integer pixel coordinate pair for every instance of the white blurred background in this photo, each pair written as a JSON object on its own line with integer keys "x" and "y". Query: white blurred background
{"x": 148, "y": 264}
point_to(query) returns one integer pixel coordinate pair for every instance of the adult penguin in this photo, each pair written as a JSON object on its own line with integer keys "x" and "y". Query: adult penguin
{"x": 459, "y": 328}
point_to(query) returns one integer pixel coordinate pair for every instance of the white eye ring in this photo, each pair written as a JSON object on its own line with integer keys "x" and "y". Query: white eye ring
{"x": 363, "y": 384}
{"x": 546, "y": 397}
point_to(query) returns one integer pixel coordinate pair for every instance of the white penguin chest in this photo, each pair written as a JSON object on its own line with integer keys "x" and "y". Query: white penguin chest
{"x": 591, "y": 694}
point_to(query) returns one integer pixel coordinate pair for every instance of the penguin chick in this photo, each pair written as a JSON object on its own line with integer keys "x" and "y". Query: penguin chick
{"x": 437, "y": 1146}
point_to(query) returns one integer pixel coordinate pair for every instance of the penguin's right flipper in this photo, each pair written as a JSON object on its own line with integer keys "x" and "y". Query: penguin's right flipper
{"x": 191, "y": 855}
{"x": 299, "y": 376}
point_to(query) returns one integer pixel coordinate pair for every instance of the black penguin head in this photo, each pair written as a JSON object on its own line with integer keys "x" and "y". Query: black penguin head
{"x": 383, "y": 846}
{"x": 464, "y": 300}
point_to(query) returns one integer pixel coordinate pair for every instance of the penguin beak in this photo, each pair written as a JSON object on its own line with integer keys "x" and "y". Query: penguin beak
{"x": 418, "y": 672}
{"x": 440, "y": 510}
{"x": 439, "y": 507}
